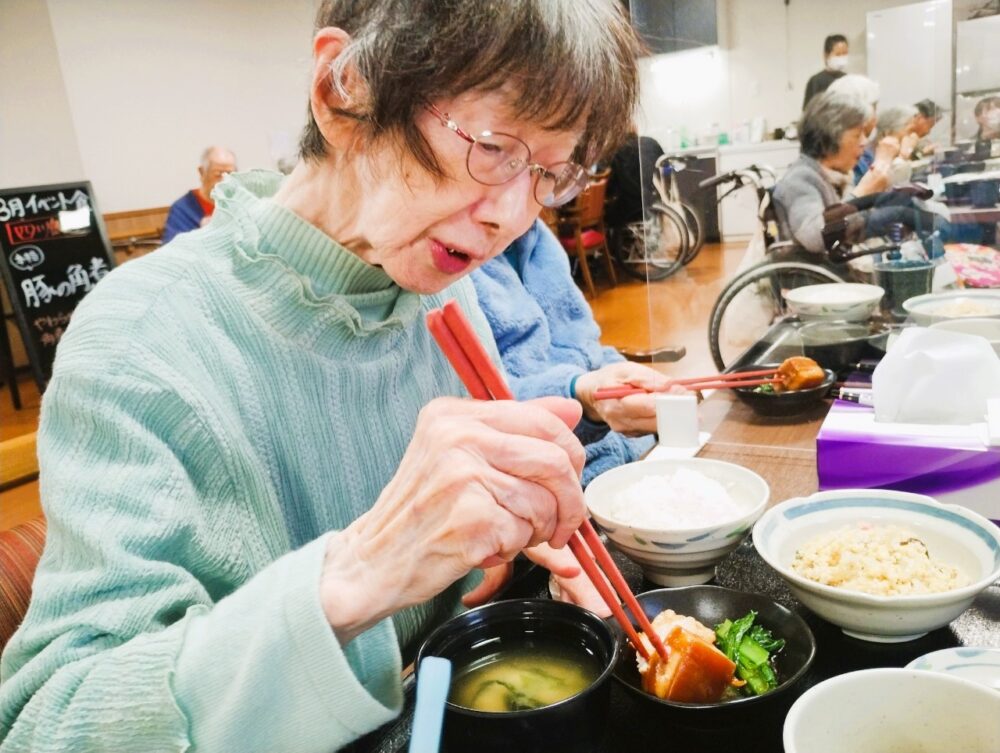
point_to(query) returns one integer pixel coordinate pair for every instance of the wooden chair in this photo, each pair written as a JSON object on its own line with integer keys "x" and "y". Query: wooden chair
{"x": 582, "y": 229}
{"x": 21, "y": 546}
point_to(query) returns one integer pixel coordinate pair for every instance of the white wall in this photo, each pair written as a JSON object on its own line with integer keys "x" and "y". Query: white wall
{"x": 38, "y": 143}
{"x": 767, "y": 52}
{"x": 148, "y": 85}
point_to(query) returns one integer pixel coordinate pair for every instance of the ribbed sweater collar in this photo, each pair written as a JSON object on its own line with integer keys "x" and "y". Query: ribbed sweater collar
{"x": 329, "y": 274}
{"x": 277, "y": 231}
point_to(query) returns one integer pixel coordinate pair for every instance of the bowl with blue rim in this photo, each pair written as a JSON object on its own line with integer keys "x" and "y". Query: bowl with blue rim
{"x": 677, "y": 518}
{"x": 885, "y": 566}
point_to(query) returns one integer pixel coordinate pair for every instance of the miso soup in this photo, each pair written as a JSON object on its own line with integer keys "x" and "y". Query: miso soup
{"x": 516, "y": 679}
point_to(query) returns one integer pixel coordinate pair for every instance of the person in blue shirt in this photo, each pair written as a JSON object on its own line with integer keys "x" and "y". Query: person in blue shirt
{"x": 194, "y": 209}
{"x": 550, "y": 345}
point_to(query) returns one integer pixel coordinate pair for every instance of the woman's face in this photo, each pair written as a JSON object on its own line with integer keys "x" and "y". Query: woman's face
{"x": 426, "y": 233}
{"x": 989, "y": 120}
{"x": 852, "y": 145}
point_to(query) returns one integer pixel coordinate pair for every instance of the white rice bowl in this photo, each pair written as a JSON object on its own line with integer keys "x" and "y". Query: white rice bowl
{"x": 714, "y": 505}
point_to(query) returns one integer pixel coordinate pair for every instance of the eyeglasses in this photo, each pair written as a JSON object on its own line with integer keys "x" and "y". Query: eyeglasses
{"x": 496, "y": 158}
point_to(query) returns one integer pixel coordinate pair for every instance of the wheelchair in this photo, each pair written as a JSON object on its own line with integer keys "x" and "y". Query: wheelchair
{"x": 755, "y": 298}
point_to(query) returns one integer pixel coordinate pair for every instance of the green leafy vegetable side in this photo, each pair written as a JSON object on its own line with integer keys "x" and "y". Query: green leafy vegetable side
{"x": 752, "y": 648}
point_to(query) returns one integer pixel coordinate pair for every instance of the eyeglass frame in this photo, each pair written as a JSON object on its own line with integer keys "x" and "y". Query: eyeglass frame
{"x": 534, "y": 167}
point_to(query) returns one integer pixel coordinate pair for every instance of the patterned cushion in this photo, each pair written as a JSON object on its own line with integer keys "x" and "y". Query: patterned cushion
{"x": 20, "y": 548}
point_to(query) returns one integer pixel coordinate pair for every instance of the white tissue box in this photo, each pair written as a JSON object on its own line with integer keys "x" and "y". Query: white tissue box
{"x": 955, "y": 464}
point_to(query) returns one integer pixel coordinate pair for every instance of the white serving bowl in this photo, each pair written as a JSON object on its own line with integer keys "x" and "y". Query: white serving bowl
{"x": 850, "y": 301}
{"x": 982, "y": 327}
{"x": 682, "y": 556}
{"x": 953, "y": 534}
{"x": 887, "y": 710}
{"x": 926, "y": 309}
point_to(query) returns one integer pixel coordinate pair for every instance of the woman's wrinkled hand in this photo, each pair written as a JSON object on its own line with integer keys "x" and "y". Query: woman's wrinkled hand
{"x": 907, "y": 144}
{"x": 887, "y": 149}
{"x": 479, "y": 482}
{"x": 632, "y": 415}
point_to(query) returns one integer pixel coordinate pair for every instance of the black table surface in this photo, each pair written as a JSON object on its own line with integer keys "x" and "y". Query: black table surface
{"x": 633, "y": 728}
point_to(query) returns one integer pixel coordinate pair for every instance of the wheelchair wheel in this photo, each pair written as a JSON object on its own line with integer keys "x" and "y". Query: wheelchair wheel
{"x": 751, "y": 303}
{"x": 652, "y": 249}
{"x": 696, "y": 232}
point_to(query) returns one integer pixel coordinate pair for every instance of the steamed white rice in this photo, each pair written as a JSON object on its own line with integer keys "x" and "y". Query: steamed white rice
{"x": 880, "y": 560}
{"x": 668, "y": 501}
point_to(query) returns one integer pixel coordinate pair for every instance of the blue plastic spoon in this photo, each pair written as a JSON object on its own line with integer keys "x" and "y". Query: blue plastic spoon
{"x": 433, "y": 679}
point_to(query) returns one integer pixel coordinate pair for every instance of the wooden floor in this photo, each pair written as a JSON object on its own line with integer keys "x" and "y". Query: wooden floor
{"x": 631, "y": 315}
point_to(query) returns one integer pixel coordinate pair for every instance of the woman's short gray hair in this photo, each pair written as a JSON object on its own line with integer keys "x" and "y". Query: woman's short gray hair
{"x": 826, "y": 118}
{"x": 565, "y": 63}
{"x": 892, "y": 120}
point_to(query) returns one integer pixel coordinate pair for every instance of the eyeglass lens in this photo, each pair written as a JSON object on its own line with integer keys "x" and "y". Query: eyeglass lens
{"x": 496, "y": 158}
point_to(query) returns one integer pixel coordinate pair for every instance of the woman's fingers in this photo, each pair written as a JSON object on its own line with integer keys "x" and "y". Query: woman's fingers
{"x": 494, "y": 578}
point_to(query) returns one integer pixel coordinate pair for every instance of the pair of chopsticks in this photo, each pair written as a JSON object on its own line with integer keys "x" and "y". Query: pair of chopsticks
{"x": 712, "y": 382}
{"x": 460, "y": 345}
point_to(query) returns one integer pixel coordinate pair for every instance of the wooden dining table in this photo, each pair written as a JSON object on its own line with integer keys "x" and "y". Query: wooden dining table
{"x": 783, "y": 452}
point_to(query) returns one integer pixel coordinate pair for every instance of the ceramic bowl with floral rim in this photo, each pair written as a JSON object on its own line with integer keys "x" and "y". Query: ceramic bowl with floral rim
{"x": 685, "y": 552}
{"x": 980, "y": 665}
{"x": 848, "y": 301}
{"x": 950, "y": 535}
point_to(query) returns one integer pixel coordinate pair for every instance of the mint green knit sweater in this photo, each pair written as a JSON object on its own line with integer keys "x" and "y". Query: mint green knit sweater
{"x": 216, "y": 410}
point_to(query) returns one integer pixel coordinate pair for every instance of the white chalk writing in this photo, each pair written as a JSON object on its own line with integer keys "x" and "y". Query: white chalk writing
{"x": 16, "y": 207}
{"x": 37, "y": 291}
{"x": 26, "y": 258}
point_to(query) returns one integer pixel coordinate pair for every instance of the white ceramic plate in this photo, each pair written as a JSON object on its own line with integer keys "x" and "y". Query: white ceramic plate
{"x": 953, "y": 304}
{"x": 980, "y": 665}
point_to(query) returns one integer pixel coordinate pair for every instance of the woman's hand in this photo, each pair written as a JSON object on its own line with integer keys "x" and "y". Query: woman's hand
{"x": 632, "y": 415}
{"x": 479, "y": 482}
{"x": 907, "y": 145}
{"x": 887, "y": 150}
{"x": 876, "y": 180}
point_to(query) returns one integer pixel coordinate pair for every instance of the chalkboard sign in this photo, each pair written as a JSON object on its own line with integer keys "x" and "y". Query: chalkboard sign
{"x": 53, "y": 250}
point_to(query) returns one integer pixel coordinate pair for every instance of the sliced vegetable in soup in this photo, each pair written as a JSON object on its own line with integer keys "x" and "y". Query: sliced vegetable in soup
{"x": 523, "y": 678}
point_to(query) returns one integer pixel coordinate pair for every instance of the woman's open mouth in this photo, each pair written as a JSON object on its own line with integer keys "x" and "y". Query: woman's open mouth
{"x": 448, "y": 260}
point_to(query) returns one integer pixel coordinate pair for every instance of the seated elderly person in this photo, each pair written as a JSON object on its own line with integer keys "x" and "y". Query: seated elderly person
{"x": 832, "y": 134}
{"x": 895, "y": 131}
{"x": 264, "y": 485}
{"x": 875, "y": 176}
{"x": 928, "y": 114}
{"x": 550, "y": 345}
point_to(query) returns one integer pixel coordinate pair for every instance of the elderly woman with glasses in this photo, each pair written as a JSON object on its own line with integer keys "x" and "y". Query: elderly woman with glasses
{"x": 833, "y": 135}
{"x": 261, "y": 487}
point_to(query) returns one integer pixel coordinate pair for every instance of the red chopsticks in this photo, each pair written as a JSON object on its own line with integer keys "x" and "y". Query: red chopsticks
{"x": 715, "y": 381}
{"x": 461, "y": 346}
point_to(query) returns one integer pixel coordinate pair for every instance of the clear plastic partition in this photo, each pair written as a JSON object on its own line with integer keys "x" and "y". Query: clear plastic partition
{"x": 850, "y": 150}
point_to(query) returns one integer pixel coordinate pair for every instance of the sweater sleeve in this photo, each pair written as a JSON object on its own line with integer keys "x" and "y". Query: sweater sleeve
{"x": 803, "y": 205}
{"x": 544, "y": 329}
{"x": 148, "y": 627}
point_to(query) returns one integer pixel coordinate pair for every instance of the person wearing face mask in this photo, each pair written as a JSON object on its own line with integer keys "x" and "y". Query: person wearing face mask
{"x": 263, "y": 482}
{"x": 835, "y": 57}
{"x": 987, "y": 114}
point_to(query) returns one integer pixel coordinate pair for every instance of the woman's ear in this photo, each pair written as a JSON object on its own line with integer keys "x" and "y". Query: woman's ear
{"x": 334, "y": 89}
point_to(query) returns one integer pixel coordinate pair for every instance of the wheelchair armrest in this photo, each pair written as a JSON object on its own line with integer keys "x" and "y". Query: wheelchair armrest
{"x": 668, "y": 353}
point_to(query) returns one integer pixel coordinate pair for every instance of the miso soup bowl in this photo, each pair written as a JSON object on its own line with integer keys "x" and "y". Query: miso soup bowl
{"x": 576, "y": 723}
